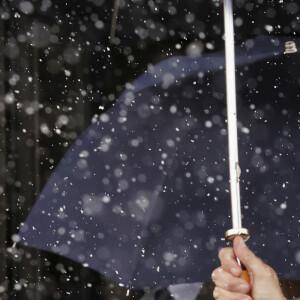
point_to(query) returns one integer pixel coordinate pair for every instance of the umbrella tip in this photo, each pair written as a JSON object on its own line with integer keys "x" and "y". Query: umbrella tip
{"x": 290, "y": 47}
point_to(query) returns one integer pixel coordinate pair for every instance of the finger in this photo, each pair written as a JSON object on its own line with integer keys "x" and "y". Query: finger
{"x": 229, "y": 282}
{"x": 246, "y": 256}
{"x": 228, "y": 262}
{"x": 221, "y": 294}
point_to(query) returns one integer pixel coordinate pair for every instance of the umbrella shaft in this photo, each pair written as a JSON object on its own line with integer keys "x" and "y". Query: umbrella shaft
{"x": 231, "y": 116}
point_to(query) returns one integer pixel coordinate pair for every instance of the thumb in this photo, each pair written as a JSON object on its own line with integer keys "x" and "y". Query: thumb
{"x": 246, "y": 256}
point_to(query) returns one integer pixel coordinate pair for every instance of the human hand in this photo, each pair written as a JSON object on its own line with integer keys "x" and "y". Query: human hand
{"x": 264, "y": 283}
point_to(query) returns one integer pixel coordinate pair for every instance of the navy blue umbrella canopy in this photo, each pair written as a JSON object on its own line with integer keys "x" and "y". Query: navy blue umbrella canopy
{"x": 143, "y": 195}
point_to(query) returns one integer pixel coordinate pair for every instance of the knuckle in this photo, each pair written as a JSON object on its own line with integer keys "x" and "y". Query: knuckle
{"x": 225, "y": 252}
{"x": 221, "y": 253}
{"x": 220, "y": 293}
{"x": 213, "y": 275}
{"x": 230, "y": 285}
{"x": 216, "y": 293}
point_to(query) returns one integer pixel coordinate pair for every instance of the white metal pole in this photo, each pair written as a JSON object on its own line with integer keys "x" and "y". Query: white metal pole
{"x": 234, "y": 170}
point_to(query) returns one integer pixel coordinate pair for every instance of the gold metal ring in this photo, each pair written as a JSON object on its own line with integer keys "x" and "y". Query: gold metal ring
{"x": 232, "y": 233}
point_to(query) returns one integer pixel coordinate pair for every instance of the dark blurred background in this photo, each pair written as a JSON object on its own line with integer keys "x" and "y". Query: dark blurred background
{"x": 58, "y": 72}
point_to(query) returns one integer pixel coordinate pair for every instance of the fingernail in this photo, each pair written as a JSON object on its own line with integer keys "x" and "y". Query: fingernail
{"x": 234, "y": 271}
{"x": 216, "y": 293}
{"x": 243, "y": 288}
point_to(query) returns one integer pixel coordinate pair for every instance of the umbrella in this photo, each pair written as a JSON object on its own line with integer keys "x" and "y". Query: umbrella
{"x": 142, "y": 195}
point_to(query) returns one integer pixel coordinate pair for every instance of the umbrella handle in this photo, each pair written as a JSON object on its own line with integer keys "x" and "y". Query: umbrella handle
{"x": 245, "y": 274}
{"x": 244, "y": 233}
